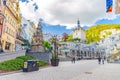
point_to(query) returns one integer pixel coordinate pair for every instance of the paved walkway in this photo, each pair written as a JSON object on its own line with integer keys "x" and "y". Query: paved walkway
{"x": 11, "y": 55}
{"x": 81, "y": 70}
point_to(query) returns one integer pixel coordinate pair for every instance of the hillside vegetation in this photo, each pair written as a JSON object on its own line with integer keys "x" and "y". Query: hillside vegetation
{"x": 93, "y": 33}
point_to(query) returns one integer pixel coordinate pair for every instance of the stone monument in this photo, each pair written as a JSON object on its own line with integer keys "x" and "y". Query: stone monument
{"x": 37, "y": 44}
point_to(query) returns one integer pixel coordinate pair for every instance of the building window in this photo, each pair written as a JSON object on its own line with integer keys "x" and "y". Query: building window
{"x": 1, "y": 21}
{"x": 14, "y": 25}
{"x": 7, "y": 46}
{"x": 11, "y": 22}
{"x": 8, "y": 19}
{"x": 14, "y": 34}
{"x": 10, "y": 32}
{"x": 7, "y": 29}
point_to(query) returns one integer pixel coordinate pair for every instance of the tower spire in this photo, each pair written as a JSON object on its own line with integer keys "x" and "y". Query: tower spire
{"x": 39, "y": 24}
{"x": 78, "y": 23}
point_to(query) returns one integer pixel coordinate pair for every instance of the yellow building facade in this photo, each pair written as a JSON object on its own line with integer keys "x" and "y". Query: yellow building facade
{"x": 1, "y": 20}
{"x": 11, "y": 25}
{"x": 2, "y": 17}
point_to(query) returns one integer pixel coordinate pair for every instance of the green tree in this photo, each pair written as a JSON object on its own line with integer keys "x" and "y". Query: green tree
{"x": 70, "y": 37}
{"x": 93, "y": 33}
{"x": 76, "y": 39}
{"x": 65, "y": 37}
{"x": 46, "y": 44}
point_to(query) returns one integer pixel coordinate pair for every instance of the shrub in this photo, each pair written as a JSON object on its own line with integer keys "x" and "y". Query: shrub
{"x": 17, "y": 64}
{"x": 25, "y": 57}
{"x": 42, "y": 63}
{"x": 14, "y": 64}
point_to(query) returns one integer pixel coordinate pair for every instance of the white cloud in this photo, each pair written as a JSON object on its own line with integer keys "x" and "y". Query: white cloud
{"x": 66, "y": 12}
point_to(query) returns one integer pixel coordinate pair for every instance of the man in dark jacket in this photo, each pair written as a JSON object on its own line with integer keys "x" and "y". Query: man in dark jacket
{"x": 27, "y": 50}
{"x": 99, "y": 60}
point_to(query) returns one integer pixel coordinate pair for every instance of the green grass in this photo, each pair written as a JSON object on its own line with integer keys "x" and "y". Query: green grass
{"x": 25, "y": 57}
{"x": 17, "y": 63}
{"x": 42, "y": 63}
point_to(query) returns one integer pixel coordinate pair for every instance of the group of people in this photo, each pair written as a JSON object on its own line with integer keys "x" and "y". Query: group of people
{"x": 101, "y": 60}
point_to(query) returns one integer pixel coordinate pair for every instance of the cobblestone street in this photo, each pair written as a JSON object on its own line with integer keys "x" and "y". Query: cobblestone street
{"x": 81, "y": 70}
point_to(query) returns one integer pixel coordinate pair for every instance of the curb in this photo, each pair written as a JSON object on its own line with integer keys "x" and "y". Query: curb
{"x": 13, "y": 72}
{"x": 10, "y": 53}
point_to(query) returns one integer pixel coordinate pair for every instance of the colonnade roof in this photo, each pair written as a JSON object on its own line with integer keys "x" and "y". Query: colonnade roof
{"x": 80, "y": 46}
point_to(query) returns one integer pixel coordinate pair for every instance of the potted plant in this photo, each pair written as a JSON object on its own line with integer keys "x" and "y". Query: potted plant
{"x": 54, "y": 60}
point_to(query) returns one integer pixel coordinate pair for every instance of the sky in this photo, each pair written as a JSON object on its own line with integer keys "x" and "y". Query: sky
{"x": 65, "y": 13}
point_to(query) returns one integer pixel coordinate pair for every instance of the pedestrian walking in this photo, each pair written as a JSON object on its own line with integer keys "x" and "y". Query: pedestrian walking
{"x": 103, "y": 60}
{"x": 99, "y": 60}
{"x": 73, "y": 60}
{"x": 73, "y": 56}
{"x": 27, "y": 50}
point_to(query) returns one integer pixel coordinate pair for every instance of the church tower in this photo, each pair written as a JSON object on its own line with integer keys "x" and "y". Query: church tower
{"x": 79, "y": 32}
{"x": 78, "y": 23}
{"x": 37, "y": 41}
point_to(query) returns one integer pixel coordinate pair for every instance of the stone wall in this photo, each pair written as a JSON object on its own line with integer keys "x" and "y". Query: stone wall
{"x": 40, "y": 56}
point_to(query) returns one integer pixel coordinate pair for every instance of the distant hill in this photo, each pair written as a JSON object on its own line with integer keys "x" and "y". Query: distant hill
{"x": 93, "y": 34}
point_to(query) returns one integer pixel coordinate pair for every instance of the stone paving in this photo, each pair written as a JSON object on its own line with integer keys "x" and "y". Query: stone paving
{"x": 105, "y": 72}
{"x": 81, "y": 70}
{"x": 11, "y": 55}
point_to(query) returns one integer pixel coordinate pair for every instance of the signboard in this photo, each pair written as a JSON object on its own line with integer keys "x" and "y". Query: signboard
{"x": 24, "y": 44}
{"x": 109, "y": 5}
{"x": 25, "y": 64}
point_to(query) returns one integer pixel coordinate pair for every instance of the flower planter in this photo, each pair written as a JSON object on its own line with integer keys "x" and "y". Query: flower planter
{"x": 54, "y": 62}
